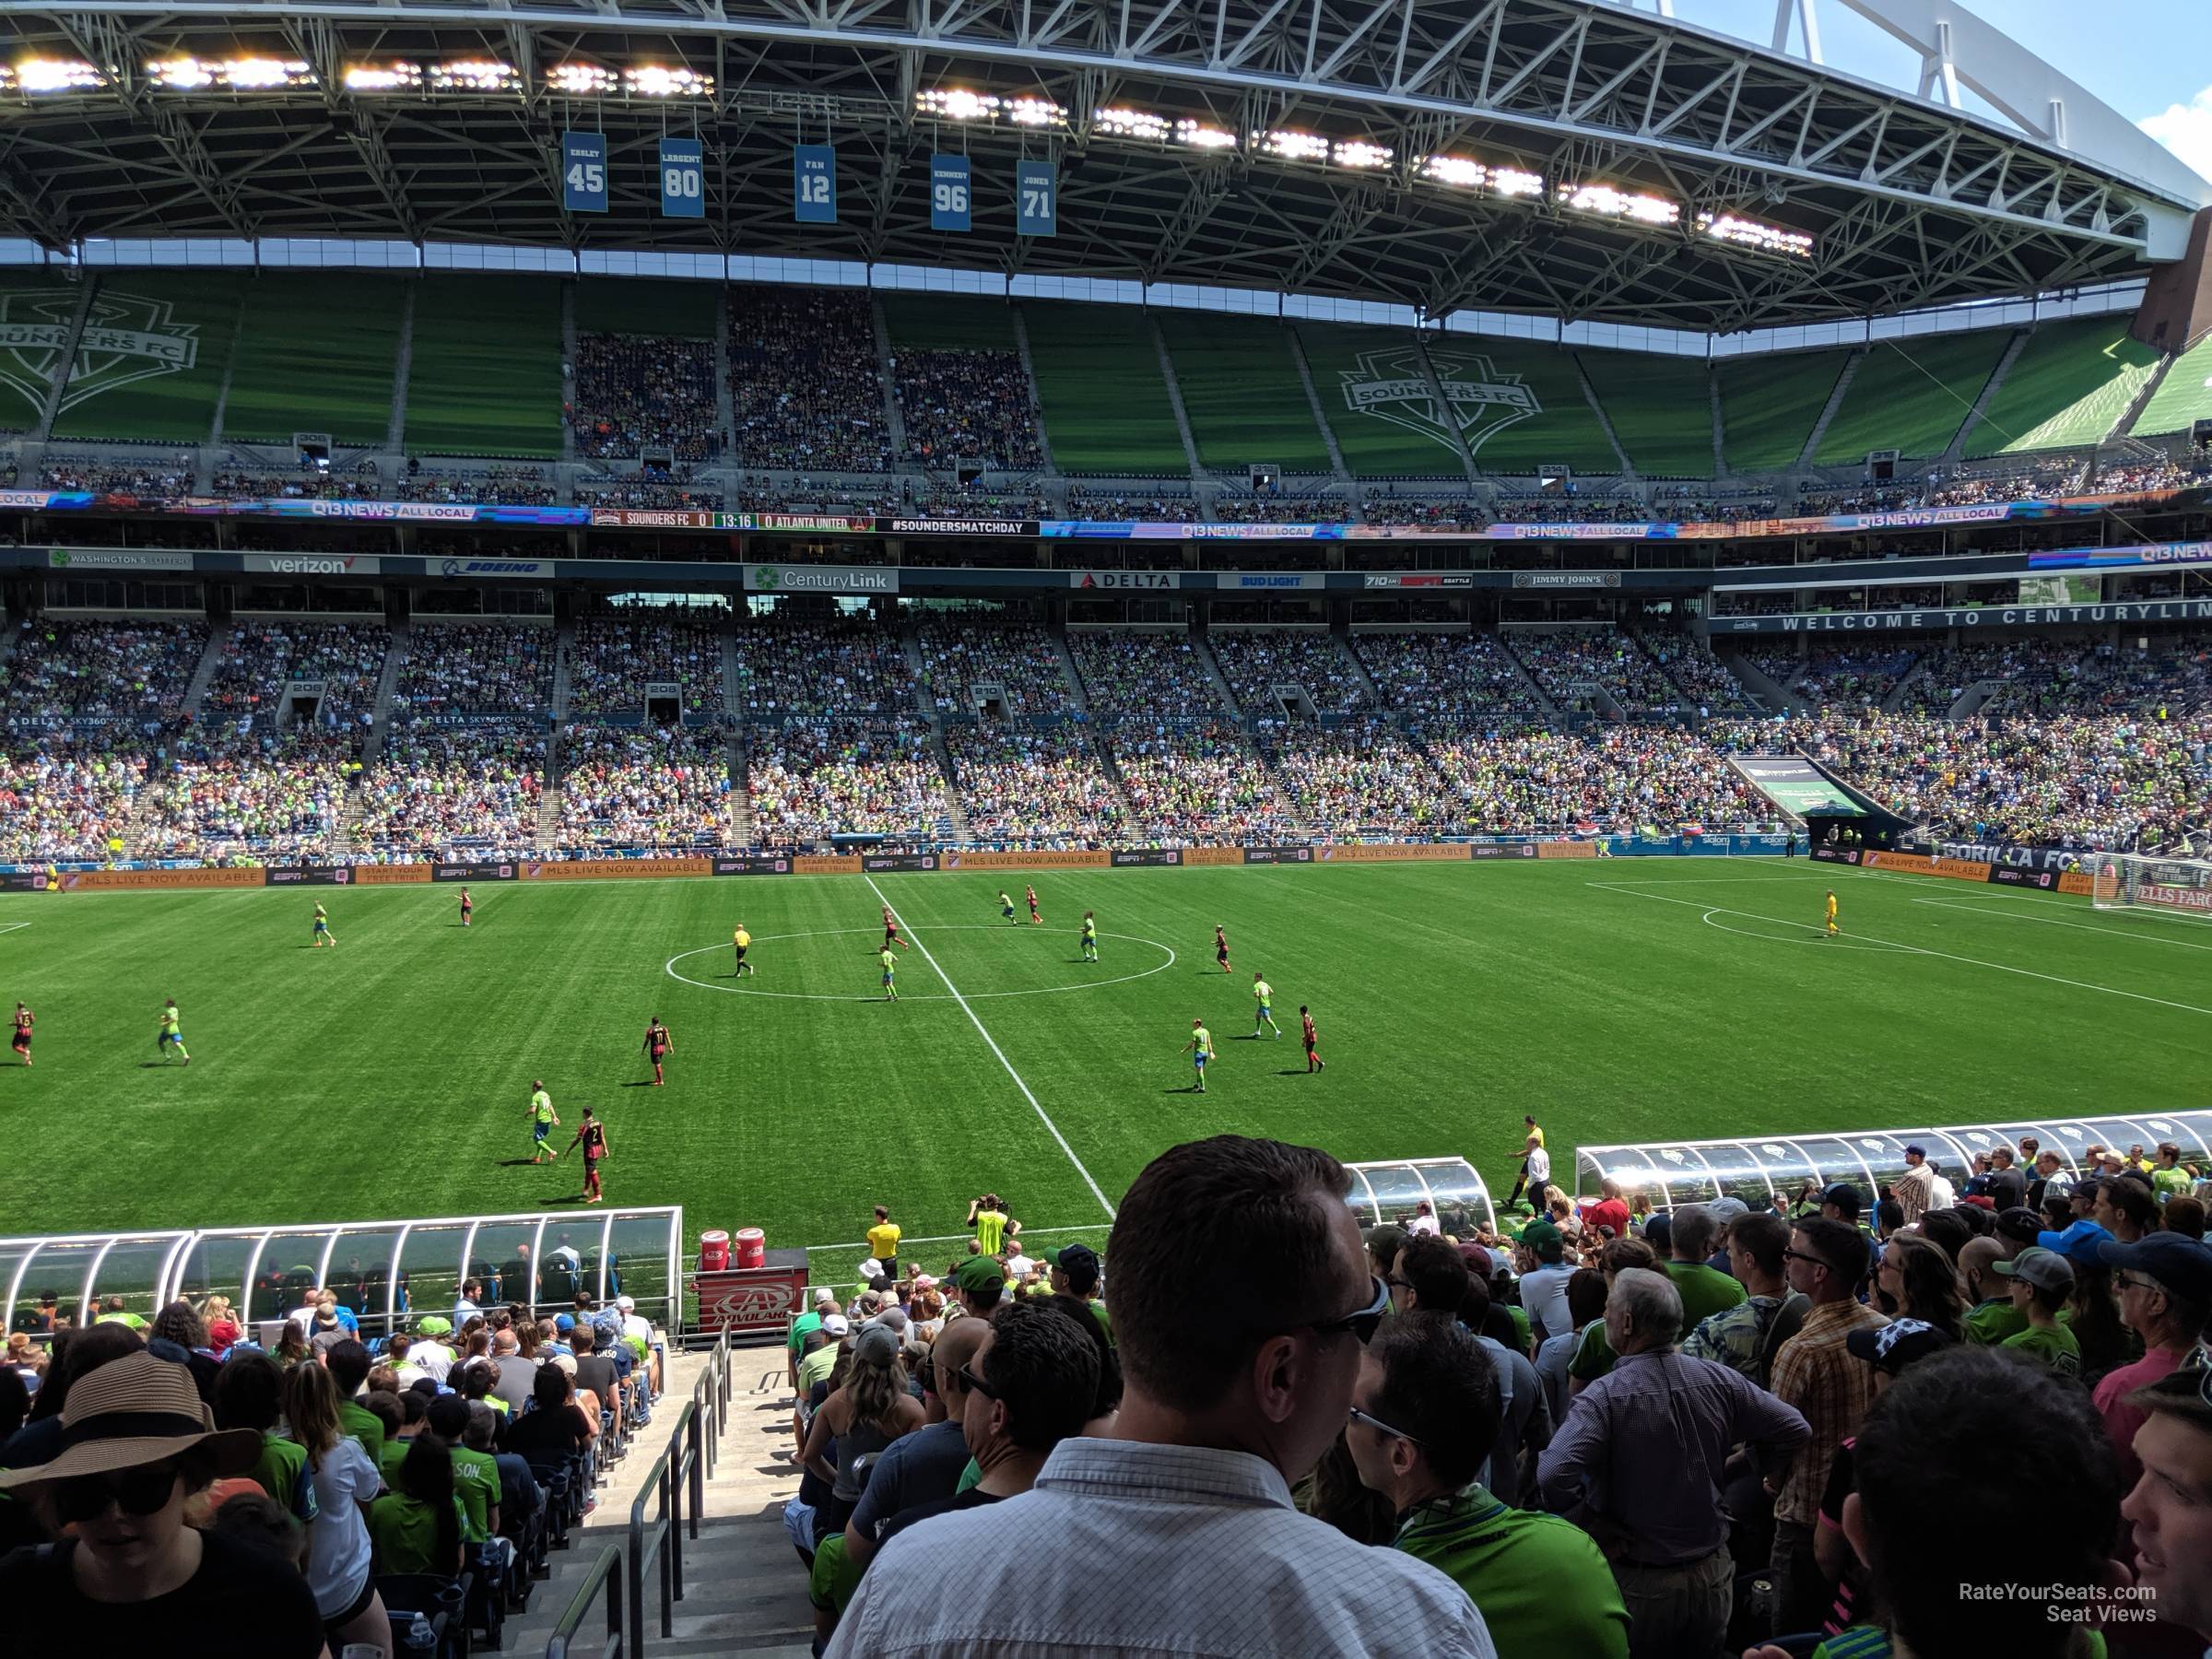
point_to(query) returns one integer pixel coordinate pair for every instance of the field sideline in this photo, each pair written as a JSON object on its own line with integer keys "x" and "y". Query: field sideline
{"x": 1631, "y": 1001}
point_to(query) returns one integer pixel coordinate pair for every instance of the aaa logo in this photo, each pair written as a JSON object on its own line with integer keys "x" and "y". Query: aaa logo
{"x": 1478, "y": 402}
{"x": 128, "y": 338}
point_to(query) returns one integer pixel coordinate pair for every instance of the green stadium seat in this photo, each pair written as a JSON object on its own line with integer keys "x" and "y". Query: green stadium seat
{"x": 2184, "y": 397}
{"x": 636, "y": 305}
{"x": 1661, "y": 408}
{"x": 1910, "y": 396}
{"x": 2070, "y": 384}
{"x": 1241, "y": 391}
{"x": 484, "y": 375}
{"x": 1770, "y": 404}
{"x": 30, "y": 296}
{"x": 152, "y": 362}
{"x": 1105, "y": 400}
{"x": 949, "y": 322}
{"x": 348, "y": 326}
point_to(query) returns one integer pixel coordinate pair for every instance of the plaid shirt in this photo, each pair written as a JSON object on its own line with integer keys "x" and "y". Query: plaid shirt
{"x": 1816, "y": 1375}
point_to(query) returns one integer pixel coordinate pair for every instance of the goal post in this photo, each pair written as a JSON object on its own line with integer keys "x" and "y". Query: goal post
{"x": 2130, "y": 880}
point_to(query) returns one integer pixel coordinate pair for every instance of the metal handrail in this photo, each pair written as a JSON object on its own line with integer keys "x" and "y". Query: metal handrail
{"x": 607, "y": 1570}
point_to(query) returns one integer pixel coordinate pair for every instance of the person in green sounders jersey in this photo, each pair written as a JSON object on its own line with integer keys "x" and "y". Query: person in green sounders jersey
{"x": 890, "y": 968}
{"x": 1990, "y": 1315}
{"x": 172, "y": 1034}
{"x": 544, "y": 1120}
{"x": 1425, "y": 1416}
{"x": 248, "y": 1393}
{"x": 1006, "y": 905}
{"x": 323, "y": 936}
{"x": 1200, "y": 1048}
{"x": 1091, "y": 936}
{"x": 1263, "y": 1009}
{"x": 417, "y": 1525}
{"x": 993, "y": 1223}
{"x": 2171, "y": 1179}
{"x": 2042, "y": 1281}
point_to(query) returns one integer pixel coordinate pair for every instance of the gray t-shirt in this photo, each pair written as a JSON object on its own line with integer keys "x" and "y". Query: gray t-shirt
{"x": 915, "y": 1468}
{"x": 1543, "y": 1297}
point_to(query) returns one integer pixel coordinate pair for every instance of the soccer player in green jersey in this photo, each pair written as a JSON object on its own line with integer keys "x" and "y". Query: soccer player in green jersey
{"x": 1091, "y": 936}
{"x": 1005, "y": 904}
{"x": 544, "y": 1120}
{"x": 323, "y": 936}
{"x": 890, "y": 967}
{"x": 1200, "y": 1048}
{"x": 1263, "y": 1012}
{"x": 172, "y": 1034}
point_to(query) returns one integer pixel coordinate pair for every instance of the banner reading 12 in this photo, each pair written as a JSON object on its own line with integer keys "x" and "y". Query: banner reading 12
{"x": 584, "y": 172}
{"x": 814, "y": 185}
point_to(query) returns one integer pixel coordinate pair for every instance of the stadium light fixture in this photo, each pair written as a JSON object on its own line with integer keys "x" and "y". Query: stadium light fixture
{"x": 655, "y": 80}
{"x": 1296, "y": 146}
{"x": 475, "y": 75}
{"x": 1134, "y": 123}
{"x": 1615, "y": 204}
{"x": 54, "y": 75}
{"x": 582, "y": 81}
{"x": 1512, "y": 182}
{"x": 1357, "y": 152}
{"x": 1742, "y": 232}
{"x": 1456, "y": 170}
{"x": 382, "y": 77}
{"x": 1036, "y": 112}
{"x": 1199, "y": 135}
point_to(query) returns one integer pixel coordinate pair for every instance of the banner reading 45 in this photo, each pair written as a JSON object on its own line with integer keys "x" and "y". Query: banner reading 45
{"x": 584, "y": 172}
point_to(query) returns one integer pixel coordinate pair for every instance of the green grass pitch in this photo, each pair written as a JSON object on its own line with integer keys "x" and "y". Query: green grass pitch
{"x": 1631, "y": 1001}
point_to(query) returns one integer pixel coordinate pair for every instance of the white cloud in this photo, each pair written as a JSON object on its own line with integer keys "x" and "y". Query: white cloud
{"x": 2186, "y": 130}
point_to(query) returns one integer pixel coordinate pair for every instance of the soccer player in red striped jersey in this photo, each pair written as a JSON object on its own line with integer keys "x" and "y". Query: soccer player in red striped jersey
{"x": 23, "y": 1021}
{"x": 890, "y": 931}
{"x": 1311, "y": 1038}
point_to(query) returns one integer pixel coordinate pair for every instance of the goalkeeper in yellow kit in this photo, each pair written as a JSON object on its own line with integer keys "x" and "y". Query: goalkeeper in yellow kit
{"x": 1832, "y": 913}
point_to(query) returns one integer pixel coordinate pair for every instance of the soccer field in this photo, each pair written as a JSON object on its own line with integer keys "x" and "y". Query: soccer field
{"x": 1631, "y": 1001}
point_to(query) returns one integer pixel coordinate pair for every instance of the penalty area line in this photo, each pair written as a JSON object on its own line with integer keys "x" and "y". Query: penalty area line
{"x": 1941, "y": 955}
{"x": 1042, "y": 1116}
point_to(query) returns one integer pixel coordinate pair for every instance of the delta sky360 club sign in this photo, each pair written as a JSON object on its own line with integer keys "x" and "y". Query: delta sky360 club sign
{"x": 128, "y": 338}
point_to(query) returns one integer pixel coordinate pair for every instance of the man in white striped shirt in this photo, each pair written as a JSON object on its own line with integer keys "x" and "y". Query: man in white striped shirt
{"x": 1179, "y": 1529}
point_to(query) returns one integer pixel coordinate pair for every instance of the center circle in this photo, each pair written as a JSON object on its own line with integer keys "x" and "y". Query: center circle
{"x": 669, "y": 968}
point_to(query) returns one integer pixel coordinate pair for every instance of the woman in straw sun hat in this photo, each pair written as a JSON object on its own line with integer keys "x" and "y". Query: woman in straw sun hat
{"x": 136, "y": 1442}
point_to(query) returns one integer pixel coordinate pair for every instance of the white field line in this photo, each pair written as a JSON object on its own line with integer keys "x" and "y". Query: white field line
{"x": 1045, "y": 1118}
{"x": 8, "y": 928}
{"x": 1922, "y": 950}
{"x": 2109, "y": 933}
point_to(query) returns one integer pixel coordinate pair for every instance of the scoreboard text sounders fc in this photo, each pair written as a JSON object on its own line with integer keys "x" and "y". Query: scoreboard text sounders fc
{"x": 587, "y": 173}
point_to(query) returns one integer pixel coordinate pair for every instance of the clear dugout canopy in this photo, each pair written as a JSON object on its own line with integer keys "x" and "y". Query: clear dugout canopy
{"x": 1755, "y": 1168}
{"x": 387, "y": 1272}
{"x": 1390, "y": 1191}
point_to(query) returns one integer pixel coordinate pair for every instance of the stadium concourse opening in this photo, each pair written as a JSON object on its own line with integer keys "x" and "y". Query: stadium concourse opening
{"x": 387, "y": 1273}
{"x": 1759, "y": 1169}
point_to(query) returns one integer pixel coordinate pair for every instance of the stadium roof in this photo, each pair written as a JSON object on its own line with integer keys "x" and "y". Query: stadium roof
{"x": 1573, "y": 160}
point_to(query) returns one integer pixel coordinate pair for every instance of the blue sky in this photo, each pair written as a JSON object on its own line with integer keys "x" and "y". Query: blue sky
{"x": 2151, "y": 60}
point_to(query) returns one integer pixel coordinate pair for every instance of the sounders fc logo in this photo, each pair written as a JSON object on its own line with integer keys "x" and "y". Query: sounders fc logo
{"x": 128, "y": 338}
{"x": 1478, "y": 402}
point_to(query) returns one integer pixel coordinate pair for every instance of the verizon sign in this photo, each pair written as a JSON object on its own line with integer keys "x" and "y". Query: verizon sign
{"x": 309, "y": 564}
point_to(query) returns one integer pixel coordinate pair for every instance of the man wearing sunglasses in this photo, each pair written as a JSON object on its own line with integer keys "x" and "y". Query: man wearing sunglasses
{"x": 2164, "y": 1284}
{"x": 1183, "y": 1519}
{"x": 132, "y": 1578}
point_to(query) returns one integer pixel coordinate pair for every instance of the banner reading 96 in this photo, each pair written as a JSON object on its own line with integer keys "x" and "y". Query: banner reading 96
{"x": 948, "y": 192}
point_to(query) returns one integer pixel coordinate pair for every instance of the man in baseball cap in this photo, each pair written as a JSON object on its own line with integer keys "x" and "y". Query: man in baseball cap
{"x": 1843, "y": 1202}
{"x": 1076, "y": 1272}
{"x": 1890, "y": 1348}
{"x": 979, "y": 1282}
{"x": 2041, "y": 1280}
{"x": 2164, "y": 1284}
{"x": 2016, "y": 1228}
{"x": 136, "y": 1443}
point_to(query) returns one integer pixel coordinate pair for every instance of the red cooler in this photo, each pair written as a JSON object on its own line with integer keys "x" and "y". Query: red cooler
{"x": 752, "y": 1247}
{"x": 715, "y": 1251}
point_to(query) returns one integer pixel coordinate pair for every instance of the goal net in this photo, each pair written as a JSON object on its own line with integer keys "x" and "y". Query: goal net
{"x": 2125, "y": 880}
